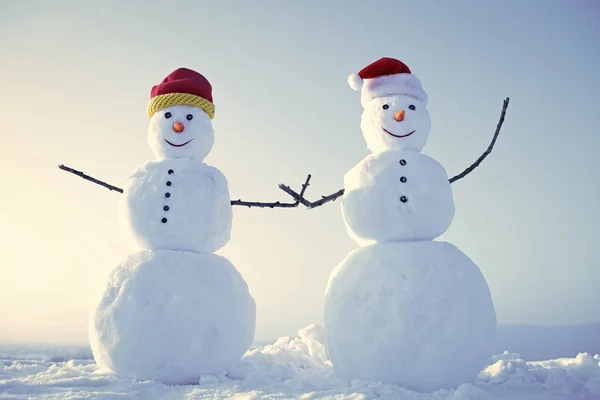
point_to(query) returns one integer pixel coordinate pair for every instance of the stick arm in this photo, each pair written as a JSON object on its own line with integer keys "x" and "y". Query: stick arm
{"x": 308, "y": 204}
{"x": 488, "y": 150}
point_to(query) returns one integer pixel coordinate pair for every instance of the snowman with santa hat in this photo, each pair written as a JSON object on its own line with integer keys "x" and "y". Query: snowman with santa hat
{"x": 403, "y": 308}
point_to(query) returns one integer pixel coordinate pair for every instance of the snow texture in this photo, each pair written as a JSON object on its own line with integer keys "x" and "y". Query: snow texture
{"x": 383, "y": 132}
{"x": 171, "y": 316}
{"x": 197, "y": 132}
{"x": 177, "y": 204}
{"x": 424, "y": 301}
{"x": 372, "y": 204}
{"x": 297, "y": 368}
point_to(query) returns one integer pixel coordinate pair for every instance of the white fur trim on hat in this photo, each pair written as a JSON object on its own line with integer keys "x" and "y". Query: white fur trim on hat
{"x": 389, "y": 85}
{"x": 355, "y": 82}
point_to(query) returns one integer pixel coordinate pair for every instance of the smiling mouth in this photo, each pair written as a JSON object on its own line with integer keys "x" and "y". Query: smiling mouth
{"x": 400, "y": 136}
{"x": 178, "y": 145}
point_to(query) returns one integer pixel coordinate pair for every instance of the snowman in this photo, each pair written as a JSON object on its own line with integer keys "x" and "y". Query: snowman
{"x": 403, "y": 308}
{"x": 173, "y": 310}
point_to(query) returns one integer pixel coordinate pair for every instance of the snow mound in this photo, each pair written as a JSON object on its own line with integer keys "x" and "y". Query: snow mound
{"x": 298, "y": 368}
{"x": 579, "y": 375}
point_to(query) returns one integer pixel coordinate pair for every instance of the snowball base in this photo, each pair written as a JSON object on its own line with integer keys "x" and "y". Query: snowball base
{"x": 417, "y": 314}
{"x": 171, "y": 316}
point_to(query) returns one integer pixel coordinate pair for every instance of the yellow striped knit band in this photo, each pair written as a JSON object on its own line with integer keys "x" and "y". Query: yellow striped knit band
{"x": 172, "y": 99}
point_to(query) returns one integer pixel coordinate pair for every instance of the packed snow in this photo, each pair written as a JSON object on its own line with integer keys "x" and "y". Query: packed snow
{"x": 171, "y": 315}
{"x": 177, "y": 204}
{"x": 397, "y": 195}
{"x": 296, "y": 368}
{"x": 422, "y": 301}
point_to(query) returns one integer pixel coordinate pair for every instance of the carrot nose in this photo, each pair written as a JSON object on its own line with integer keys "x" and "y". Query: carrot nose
{"x": 178, "y": 127}
{"x": 399, "y": 116}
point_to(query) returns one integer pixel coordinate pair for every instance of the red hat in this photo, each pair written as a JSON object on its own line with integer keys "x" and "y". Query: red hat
{"x": 385, "y": 77}
{"x": 182, "y": 86}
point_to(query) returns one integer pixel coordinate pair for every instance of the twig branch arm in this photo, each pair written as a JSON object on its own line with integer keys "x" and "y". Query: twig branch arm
{"x": 327, "y": 199}
{"x": 91, "y": 179}
{"x": 305, "y": 186}
{"x": 276, "y": 204}
{"x": 305, "y": 202}
{"x": 490, "y": 147}
{"x": 298, "y": 198}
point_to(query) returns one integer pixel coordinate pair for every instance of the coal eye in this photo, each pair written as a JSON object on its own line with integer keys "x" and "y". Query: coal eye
{"x": 190, "y": 117}
{"x": 411, "y": 107}
{"x": 168, "y": 115}
{"x": 385, "y": 107}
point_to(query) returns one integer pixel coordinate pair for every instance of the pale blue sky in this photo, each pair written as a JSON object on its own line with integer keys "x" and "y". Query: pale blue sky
{"x": 74, "y": 84}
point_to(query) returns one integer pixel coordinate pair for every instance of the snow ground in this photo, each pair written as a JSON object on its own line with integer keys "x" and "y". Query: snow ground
{"x": 291, "y": 368}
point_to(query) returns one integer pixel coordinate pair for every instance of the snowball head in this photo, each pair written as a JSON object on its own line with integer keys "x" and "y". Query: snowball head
{"x": 171, "y": 316}
{"x": 181, "y": 131}
{"x": 395, "y": 122}
{"x": 397, "y": 195}
{"x": 176, "y": 204}
{"x": 416, "y": 314}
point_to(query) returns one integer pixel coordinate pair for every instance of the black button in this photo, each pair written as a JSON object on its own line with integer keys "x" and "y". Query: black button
{"x": 170, "y": 171}
{"x": 168, "y": 183}
{"x": 166, "y": 208}
{"x": 404, "y": 199}
{"x": 164, "y": 220}
{"x": 167, "y": 194}
{"x": 403, "y": 179}
{"x": 403, "y": 162}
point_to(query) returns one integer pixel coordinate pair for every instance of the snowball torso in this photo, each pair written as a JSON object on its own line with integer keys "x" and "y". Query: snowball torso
{"x": 171, "y": 316}
{"x": 418, "y": 314}
{"x": 195, "y": 206}
{"x": 373, "y": 206}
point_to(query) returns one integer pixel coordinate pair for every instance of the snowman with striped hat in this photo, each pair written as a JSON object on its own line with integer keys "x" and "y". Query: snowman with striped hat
{"x": 403, "y": 308}
{"x": 174, "y": 310}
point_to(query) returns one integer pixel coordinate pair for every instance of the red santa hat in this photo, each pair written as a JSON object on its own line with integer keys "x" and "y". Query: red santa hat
{"x": 385, "y": 77}
{"x": 182, "y": 87}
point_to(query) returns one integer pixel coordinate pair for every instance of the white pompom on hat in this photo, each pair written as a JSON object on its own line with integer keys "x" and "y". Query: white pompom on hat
{"x": 385, "y": 77}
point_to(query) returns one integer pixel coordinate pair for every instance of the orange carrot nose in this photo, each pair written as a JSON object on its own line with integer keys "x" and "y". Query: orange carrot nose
{"x": 399, "y": 116}
{"x": 178, "y": 126}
